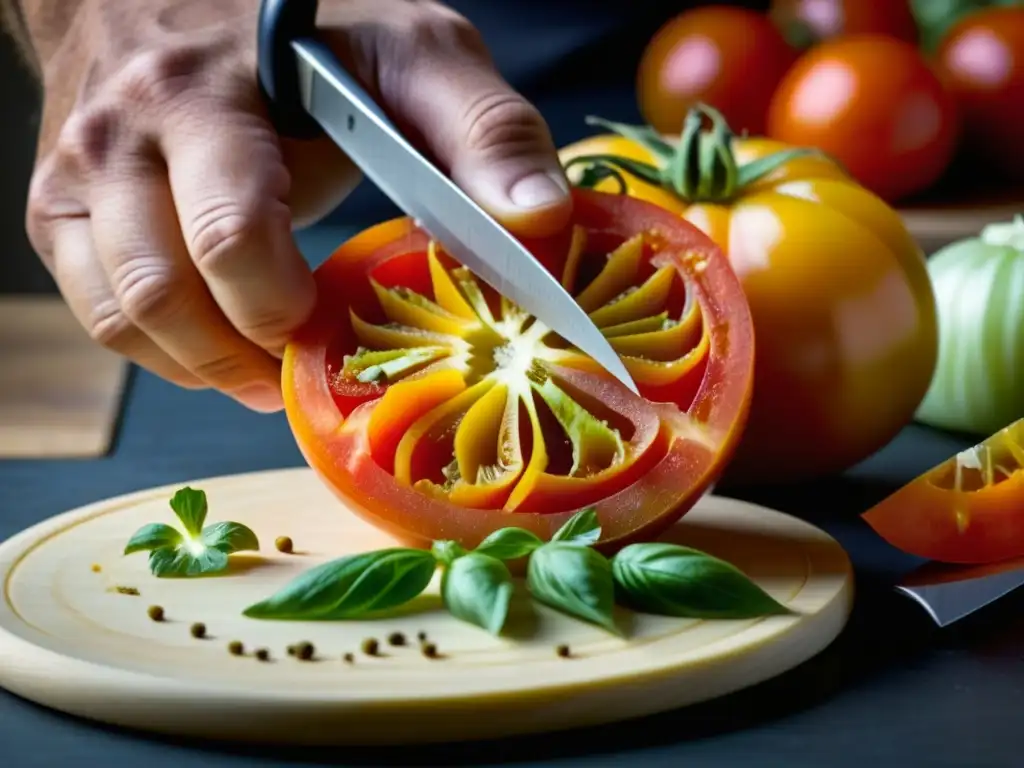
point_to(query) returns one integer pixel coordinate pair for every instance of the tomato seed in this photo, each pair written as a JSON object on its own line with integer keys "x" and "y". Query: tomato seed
{"x": 235, "y": 648}
{"x": 198, "y": 630}
{"x": 370, "y": 646}
{"x": 155, "y": 612}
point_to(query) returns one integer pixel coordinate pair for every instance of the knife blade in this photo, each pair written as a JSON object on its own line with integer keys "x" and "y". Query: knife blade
{"x": 351, "y": 118}
{"x": 949, "y": 593}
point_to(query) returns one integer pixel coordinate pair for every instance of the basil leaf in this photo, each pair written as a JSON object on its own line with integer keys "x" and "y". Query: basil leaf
{"x": 229, "y": 537}
{"x": 183, "y": 561}
{"x": 477, "y": 589}
{"x": 153, "y": 536}
{"x": 573, "y": 579}
{"x": 509, "y": 544}
{"x": 190, "y": 507}
{"x": 447, "y": 551}
{"x": 351, "y": 586}
{"x": 673, "y": 580}
{"x": 582, "y": 528}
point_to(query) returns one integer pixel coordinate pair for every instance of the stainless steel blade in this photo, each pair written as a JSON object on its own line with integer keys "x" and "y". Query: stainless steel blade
{"x": 950, "y": 593}
{"x": 358, "y": 125}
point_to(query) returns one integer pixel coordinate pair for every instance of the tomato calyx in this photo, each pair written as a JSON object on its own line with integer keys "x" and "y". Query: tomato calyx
{"x": 700, "y": 167}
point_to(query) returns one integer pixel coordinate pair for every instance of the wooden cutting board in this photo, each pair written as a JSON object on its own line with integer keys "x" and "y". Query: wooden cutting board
{"x": 70, "y": 640}
{"x": 60, "y": 392}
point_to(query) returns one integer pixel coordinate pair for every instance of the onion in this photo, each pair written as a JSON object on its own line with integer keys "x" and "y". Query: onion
{"x": 978, "y": 384}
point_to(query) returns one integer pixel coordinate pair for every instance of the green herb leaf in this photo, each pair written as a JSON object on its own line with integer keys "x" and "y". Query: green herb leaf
{"x": 350, "y": 587}
{"x": 190, "y": 506}
{"x": 153, "y": 536}
{"x": 229, "y": 537}
{"x": 186, "y": 560}
{"x": 672, "y": 580}
{"x": 574, "y": 579}
{"x": 446, "y": 551}
{"x": 478, "y": 589}
{"x": 509, "y": 544}
{"x": 582, "y": 528}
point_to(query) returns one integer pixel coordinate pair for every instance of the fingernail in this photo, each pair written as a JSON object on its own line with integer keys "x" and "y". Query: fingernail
{"x": 539, "y": 190}
{"x": 260, "y": 397}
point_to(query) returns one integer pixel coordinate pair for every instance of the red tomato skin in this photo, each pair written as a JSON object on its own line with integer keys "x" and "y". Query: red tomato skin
{"x": 981, "y": 60}
{"x": 730, "y": 58}
{"x": 332, "y": 434}
{"x": 826, "y": 19}
{"x": 876, "y": 106}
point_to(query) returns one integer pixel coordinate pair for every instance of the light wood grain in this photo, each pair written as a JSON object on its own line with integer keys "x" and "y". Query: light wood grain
{"x": 70, "y": 641}
{"x": 60, "y": 392}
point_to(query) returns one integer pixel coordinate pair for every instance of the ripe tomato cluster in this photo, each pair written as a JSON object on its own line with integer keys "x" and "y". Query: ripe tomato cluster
{"x": 892, "y": 96}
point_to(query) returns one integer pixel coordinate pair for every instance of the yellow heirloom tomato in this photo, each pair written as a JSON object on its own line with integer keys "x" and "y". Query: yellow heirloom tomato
{"x": 843, "y": 309}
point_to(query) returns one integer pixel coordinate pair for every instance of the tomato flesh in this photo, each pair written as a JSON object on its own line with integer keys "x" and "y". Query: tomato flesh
{"x": 434, "y": 408}
{"x": 968, "y": 509}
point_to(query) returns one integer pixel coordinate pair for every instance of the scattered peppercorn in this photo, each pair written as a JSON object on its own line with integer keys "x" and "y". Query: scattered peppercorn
{"x": 291, "y": 650}
{"x": 284, "y": 544}
{"x": 263, "y": 654}
{"x": 235, "y": 648}
{"x": 421, "y": 635}
{"x": 348, "y": 658}
{"x": 304, "y": 651}
{"x": 429, "y": 650}
{"x": 96, "y": 568}
{"x": 126, "y": 591}
{"x": 198, "y": 630}
{"x": 563, "y": 651}
{"x": 155, "y": 612}
{"x": 370, "y": 646}
{"x": 396, "y": 639}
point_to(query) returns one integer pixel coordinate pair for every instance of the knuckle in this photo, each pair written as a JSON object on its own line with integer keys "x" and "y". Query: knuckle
{"x": 90, "y": 137}
{"x": 109, "y": 327}
{"x": 146, "y": 291}
{"x": 228, "y": 370}
{"x": 501, "y": 121}
{"x": 161, "y": 74}
{"x": 221, "y": 232}
{"x": 433, "y": 27}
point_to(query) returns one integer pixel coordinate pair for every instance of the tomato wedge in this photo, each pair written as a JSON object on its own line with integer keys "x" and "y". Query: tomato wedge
{"x": 968, "y": 509}
{"x": 436, "y": 409}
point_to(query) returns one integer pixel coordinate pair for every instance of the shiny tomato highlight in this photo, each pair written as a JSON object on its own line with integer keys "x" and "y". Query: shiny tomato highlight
{"x": 873, "y": 104}
{"x": 436, "y": 409}
{"x": 811, "y": 21}
{"x": 730, "y": 58}
{"x": 982, "y": 62}
{"x": 968, "y": 509}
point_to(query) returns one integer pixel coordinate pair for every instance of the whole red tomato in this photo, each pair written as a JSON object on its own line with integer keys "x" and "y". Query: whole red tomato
{"x": 873, "y": 104}
{"x": 730, "y": 58}
{"x": 982, "y": 62}
{"x": 811, "y": 21}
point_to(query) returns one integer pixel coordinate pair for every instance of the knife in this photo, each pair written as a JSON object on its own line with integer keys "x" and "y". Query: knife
{"x": 949, "y": 593}
{"x": 309, "y": 92}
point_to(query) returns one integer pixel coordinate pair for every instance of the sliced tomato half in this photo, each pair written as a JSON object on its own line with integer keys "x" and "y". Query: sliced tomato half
{"x": 436, "y": 409}
{"x": 968, "y": 509}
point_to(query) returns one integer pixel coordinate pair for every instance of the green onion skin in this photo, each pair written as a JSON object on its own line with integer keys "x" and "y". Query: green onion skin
{"x": 978, "y": 384}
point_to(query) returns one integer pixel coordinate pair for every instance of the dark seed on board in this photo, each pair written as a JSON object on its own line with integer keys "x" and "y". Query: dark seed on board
{"x": 348, "y": 658}
{"x": 421, "y": 635}
{"x": 370, "y": 646}
{"x": 198, "y": 630}
{"x": 396, "y": 639}
{"x": 263, "y": 654}
{"x": 429, "y": 650}
{"x": 235, "y": 648}
{"x": 155, "y": 612}
{"x": 304, "y": 651}
{"x": 126, "y": 591}
{"x": 563, "y": 651}
{"x": 284, "y": 544}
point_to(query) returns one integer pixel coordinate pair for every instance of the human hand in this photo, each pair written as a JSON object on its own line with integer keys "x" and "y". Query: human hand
{"x": 162, "y": 200}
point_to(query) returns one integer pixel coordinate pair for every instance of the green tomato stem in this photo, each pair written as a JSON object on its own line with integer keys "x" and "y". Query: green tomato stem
{"x": 700, "y": 167}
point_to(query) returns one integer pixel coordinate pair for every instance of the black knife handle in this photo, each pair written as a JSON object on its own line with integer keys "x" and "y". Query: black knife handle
{"x": 280, "y": 22}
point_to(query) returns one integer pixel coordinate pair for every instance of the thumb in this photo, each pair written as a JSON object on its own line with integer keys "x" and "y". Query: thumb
{"x": 494, "y": 143}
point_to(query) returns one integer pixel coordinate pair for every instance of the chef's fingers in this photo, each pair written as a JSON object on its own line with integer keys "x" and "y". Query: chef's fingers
{"x": 139, "y": 242}
{"x": 230, "y": 189}
{"x": 434, "y": 74}
{"x": 80, "y": 277}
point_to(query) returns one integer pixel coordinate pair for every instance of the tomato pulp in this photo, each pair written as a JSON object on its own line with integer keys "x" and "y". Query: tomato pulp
{"x": 968, "y": 509}
{"x": 436, "y": 409}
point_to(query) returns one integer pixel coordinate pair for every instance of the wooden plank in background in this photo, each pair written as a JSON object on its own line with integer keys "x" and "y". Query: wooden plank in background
{"x": 60, "y": 392}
